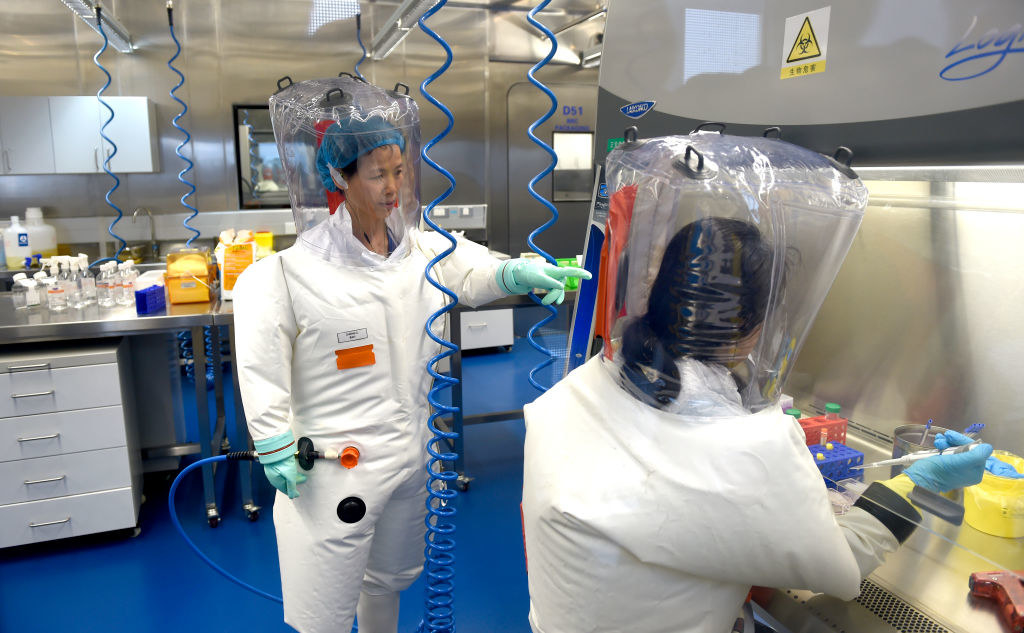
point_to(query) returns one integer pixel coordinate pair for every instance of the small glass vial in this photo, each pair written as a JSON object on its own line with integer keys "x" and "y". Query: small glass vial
{"x": 831, "y": 411}
{"x": 793, "y": 412}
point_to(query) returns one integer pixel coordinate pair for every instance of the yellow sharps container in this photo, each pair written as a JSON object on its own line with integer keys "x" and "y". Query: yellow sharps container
{"x": 996, "y": 505}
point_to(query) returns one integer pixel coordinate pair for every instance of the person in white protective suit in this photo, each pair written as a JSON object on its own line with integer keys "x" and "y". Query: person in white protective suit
{"x": 661, "y": 479}
{"x": 331, "y": 345}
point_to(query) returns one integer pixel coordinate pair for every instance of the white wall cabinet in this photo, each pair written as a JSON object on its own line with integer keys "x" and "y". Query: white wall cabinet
{"x": 61, "y": 135}
{"x": 69, "y": 457}
{"x": 25, "y": 146}
{"x": 79, "y": 148}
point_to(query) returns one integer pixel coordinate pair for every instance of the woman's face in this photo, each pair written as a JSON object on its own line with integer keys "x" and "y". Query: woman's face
{"x": 374, "y": 187}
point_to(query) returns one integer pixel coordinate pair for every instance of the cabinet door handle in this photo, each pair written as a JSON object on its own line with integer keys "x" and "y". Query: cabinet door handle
{"x": 96, "y": 157}
{"x": 44, "y": 481}
{"x": 39, "y": 437}
{"x": 476, "y": 325}
{"x": 65, "y": 520}
{"x": 30, "y": 395}
{"x": 28, "y": 367}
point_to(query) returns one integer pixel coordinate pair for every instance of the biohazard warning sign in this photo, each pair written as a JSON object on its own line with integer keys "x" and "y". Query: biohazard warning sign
{"x": 805, "y": 42}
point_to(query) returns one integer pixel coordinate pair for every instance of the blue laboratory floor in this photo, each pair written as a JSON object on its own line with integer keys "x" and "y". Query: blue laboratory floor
{"x": 154, "y": 583}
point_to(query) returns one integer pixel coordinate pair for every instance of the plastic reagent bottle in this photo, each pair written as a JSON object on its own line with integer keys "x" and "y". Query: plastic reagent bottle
{"x": 74, "y": 287}
{"x": 831, "y": 411}
{"x": 104, "y": 286}
{"x": 56, "y": 300}
{"x": 87, "y": 281}
{"x": 793, "y": 412}
{"x": 19, "y": 292}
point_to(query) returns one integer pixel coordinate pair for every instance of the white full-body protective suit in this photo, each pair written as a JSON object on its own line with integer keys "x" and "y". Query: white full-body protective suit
{"x": 661, "y": 479}
{"x": 331, "y": 346}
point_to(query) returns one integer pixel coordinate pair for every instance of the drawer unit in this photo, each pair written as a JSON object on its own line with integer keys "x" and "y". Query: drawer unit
{"x": 69, "y": 460}
{"x": 37, "y": 521}
{"x": 63, "y": 475}
{"x": 33, "y": 391}
{"x": 486, "y": 328}
{"x": 29, "y": 436}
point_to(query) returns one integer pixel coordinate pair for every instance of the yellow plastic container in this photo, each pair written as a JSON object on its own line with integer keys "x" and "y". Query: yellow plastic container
{"x": 191, "y": 276}
{"x": 996, "y": 505}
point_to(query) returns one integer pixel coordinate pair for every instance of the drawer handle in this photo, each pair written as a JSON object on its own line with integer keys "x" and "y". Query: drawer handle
{"x": 41, "y": 437}
{"x": 44, "y": 481}
{"x": 49, "y": 523}
{"x": 32, "y": 395}
{"x": 28, "y": 367}
{"x": 476, "y": 325}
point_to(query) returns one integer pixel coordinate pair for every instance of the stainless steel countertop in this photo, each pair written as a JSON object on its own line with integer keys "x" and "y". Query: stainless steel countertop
{"x": 39, "y": 324}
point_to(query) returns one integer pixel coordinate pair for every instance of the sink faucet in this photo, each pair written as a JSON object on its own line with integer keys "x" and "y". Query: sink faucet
{"x": 154, "y": 247}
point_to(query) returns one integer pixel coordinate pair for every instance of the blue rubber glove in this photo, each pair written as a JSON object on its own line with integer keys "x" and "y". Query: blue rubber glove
{"x": 999, "y": 468}
{"x": 277, "y": 454}
{"x": 942, "y": 473}
{"x": 520, "y": 276}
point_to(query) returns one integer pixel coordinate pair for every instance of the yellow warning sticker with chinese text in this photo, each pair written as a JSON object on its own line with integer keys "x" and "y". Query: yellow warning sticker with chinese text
{"x": 805, "y": 44}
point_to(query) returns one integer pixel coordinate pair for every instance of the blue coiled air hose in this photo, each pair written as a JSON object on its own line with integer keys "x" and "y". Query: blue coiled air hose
{"x": 439, "y": 550}
{"x": 106, "y": 160}
{"x": 188, "y": 137}
{"x": 359, "y": 38}
{"x": 552, "y": 311}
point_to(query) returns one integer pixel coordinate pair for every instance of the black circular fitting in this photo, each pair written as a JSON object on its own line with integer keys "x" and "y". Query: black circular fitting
{"x": 306, "y": 453}
{"x": 351, "y": 509}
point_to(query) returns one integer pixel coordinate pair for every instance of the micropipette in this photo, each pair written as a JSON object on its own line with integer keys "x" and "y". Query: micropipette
{"x": 910, "y": 458}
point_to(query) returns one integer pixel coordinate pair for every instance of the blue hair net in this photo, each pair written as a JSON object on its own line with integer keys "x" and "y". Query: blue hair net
{"x": 341, "y": 146}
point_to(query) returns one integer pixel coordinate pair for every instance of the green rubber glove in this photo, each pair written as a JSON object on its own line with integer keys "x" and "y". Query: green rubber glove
{"x": 520, "y": 276}
{"x": 277, "y": 454}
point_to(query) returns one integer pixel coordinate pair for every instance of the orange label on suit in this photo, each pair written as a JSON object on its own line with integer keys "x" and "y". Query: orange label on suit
{"x": 361, "y": 356}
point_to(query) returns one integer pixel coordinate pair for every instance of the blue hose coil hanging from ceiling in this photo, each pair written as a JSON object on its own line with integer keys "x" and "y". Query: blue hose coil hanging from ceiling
{"x": 106, "y": 160}
{"x": 188, "y": 137}
{"x": 439, "y": 551}
{"x": 359, "y": 38}
{"x": 531, "y": 334}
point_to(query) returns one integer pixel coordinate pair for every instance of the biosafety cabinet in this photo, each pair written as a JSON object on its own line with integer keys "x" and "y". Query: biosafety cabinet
{"x": 69, "y": 458}
{"x": 923, "y": 320}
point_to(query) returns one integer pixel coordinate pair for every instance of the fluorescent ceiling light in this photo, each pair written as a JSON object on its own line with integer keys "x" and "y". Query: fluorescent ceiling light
{"x": 591, "y": 57}
{"x": 326, "y": 11}
{"x": 117, "y": 35}
{"x": 398, "y": 26}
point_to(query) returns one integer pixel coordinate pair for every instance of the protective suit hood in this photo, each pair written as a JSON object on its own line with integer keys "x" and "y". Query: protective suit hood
{"x": 334, "y": 136}
{"x": 721, "y": 250}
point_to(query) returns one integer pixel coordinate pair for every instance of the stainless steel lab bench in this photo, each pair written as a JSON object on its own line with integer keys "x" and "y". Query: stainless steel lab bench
{"x": 38, "y": 325}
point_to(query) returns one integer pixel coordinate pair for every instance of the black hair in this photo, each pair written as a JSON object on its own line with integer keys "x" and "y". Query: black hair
{"x": 711, "y": 291}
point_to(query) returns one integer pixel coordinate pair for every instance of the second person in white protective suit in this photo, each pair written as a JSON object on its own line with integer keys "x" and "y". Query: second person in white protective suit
{"x": 331, "y": 346}
{"x": 661, "y": 478}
